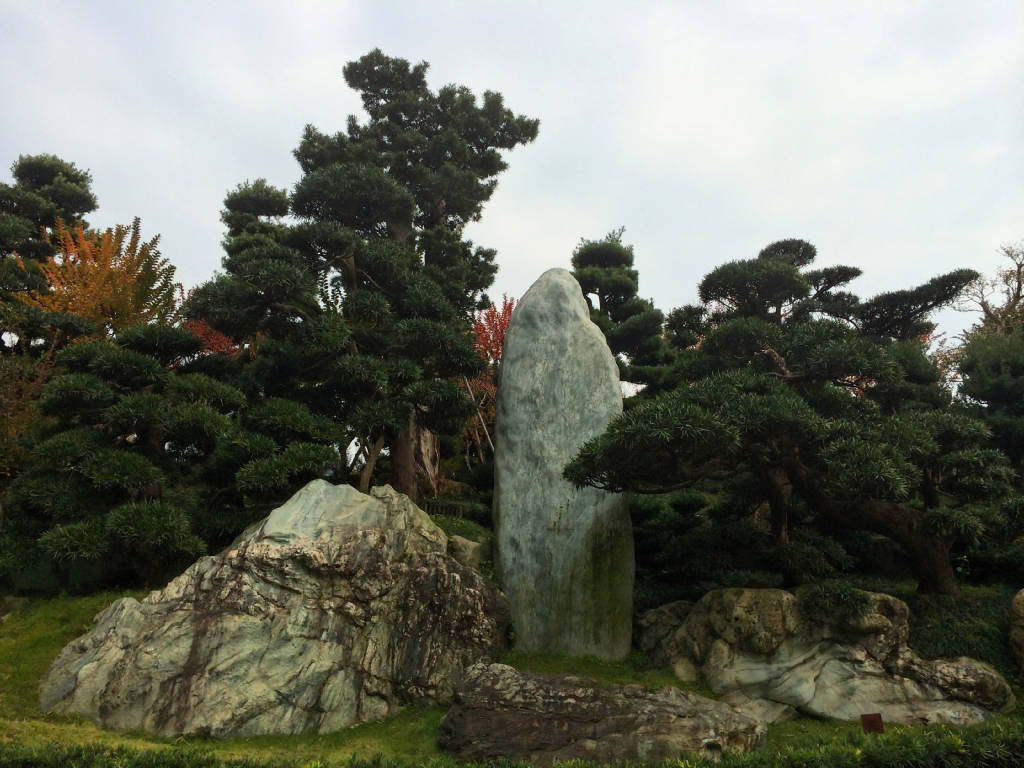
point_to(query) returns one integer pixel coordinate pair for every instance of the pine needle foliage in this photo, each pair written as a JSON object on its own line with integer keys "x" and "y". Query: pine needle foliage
{"x": 819, "y": 406}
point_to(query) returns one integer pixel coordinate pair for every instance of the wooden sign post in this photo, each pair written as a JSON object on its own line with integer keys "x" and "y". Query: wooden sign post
{"x": 872, "y": 723}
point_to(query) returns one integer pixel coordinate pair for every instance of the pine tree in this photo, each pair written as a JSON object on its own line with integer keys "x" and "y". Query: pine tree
{"x": 818, "y": 404}
{"x": 363, "y": 309}
{"x": 100, "y": 490}
{"x": 143, "y": 461}
{"x": 632, "y": 326}
{"x": 45, "y": 189}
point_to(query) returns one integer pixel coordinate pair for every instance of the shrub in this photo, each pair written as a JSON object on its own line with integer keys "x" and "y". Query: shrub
{"x": 832, "y": 601}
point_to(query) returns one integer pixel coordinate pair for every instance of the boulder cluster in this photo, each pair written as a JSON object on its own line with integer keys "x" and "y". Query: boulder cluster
{"x": 340, "y": 607}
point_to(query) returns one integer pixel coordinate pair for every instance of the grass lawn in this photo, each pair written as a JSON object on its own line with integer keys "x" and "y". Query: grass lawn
{"x": 35, "y": 633}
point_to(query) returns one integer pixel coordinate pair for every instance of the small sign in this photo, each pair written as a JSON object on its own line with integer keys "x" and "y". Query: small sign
{"x": 872, "y": 723}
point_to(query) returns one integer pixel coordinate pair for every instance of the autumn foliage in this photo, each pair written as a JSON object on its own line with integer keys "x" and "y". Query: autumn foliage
{"x": 489, "y": 326}
{"x": 112, "y": 278}
{"x": 213, "y": 341}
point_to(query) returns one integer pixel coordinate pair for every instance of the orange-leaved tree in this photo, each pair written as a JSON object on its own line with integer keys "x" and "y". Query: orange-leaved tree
{"x": 489, "y": 326}
{"x": 113, "y": 278}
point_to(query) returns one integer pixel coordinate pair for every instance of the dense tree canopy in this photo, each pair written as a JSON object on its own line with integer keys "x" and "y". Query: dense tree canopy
{"x": 787, "y": 429}
{"x": 991, "y": 359}
{"x": 363, "y": 309}
{"x": 823, "y": 403}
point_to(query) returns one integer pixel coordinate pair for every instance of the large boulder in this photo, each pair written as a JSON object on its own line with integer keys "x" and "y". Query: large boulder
{"x": 758, "y": 650}
{"x": 334, "y": 610}
{"x": 564, "y": 555}
{"x": 499, "y": 712}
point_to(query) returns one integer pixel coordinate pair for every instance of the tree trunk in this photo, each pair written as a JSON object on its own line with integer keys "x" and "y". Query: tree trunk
{"x": 780, "y": 491}
{"x": 371, "y": 461}
{"x": 929, "y": 553}
{"x": 416, "y": 456}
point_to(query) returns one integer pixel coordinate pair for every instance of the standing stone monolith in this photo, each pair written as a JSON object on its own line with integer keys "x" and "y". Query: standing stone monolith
{"x": 565, "y": 555}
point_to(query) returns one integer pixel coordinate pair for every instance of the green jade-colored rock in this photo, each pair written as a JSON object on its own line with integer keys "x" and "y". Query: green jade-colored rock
{"x": 565, "y": 555}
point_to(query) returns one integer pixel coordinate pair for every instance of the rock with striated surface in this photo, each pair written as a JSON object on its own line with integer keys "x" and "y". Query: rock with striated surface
{"x": 564, "y": 555}
{"x": 757, "y": 651}
{"x": 499, "y": 712}
{"x": 335, "y": 609}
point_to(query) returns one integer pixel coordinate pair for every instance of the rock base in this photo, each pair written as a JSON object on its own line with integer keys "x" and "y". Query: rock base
{"x": 756, "y": 650}
{"x": 502, "y": 713}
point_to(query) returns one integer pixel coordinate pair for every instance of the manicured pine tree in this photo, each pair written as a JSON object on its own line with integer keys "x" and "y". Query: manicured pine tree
{"x": 101, "y": 490}
{"x": 143, "y": 461}
{"x": 824, "y": 404}
{"x": 46, "y": 189}
{"x": 632, "y": 326}
{"x": 363, "y": 309}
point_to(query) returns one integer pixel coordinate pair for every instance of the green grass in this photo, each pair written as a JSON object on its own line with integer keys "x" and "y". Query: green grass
{"x": 409, "y": 736}
{"x": 807, "y": 732}
{"x": 33, "y": 636}
{"x": 461, "y": 526}
{"x": 36, "y": 631}
{"x": 630, "y": 671}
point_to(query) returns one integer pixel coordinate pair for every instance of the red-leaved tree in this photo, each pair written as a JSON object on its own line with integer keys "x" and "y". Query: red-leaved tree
{"x": 213, "y": 341}
{"x": 489, "y": 326}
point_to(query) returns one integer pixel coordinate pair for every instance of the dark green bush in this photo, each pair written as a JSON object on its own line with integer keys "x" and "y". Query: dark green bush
{"x": 832, "y": 601}
{"x": 976, "y": 625}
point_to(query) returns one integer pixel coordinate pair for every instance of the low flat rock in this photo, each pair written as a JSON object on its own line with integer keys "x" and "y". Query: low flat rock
{"x": 502, "y": 713}
{"x": 334, "y": 610}
{"x": 755, "y": 649}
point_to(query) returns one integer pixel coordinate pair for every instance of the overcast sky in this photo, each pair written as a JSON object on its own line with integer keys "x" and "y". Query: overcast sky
{"x": 889, "y": 134}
